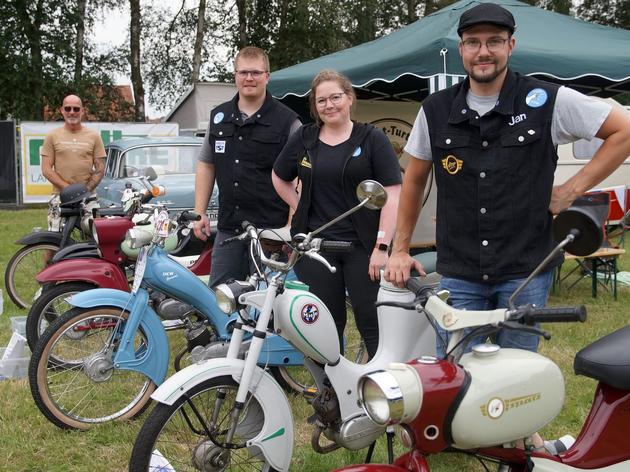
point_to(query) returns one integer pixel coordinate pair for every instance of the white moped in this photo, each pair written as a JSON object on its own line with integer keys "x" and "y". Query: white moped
{"x": 223, "y": 414}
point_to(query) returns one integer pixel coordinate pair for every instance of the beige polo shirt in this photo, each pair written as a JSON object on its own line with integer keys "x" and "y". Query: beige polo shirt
{"x": 73, "y": 153}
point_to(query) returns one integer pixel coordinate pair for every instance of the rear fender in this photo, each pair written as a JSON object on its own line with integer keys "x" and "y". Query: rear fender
{"x": 153, "y": 361}
{"x": 275, "y": 440}
{"x": 39, "y": 237}
{"x": 99, "y": 272}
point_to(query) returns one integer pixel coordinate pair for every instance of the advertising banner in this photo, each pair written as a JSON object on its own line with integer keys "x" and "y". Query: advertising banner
{"x": 35, "y": 187}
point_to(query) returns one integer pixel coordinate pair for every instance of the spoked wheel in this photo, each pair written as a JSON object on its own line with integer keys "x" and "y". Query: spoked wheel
{"x": 72, "y": 377}
{"x": 19, "y": 276}
{"x": 185, "y": 436}
{"x": 50, "y": 305}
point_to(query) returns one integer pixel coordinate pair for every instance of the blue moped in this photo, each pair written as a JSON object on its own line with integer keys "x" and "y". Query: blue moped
{"x": 103, "y": 359}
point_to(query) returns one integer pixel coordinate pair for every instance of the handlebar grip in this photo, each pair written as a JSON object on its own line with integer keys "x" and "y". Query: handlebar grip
{"x": 336, "y": 246}
{"x": 566, "y": 314}
{"x": 189, "y": 216}
{"x": 414, "y": 285}
{"x": 146, "y": 197}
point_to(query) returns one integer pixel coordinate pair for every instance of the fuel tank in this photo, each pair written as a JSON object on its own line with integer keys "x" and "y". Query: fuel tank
{"x": 512, "y": 394}
{"x": 302, "y": 318}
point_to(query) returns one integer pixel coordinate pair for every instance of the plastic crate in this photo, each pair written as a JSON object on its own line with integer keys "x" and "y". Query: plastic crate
{"x": 18, "y": 324}
{"x": 13, "y": 368}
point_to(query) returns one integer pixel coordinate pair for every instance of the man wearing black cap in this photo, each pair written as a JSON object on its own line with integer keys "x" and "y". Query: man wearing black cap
{"x": 492, "y": 143}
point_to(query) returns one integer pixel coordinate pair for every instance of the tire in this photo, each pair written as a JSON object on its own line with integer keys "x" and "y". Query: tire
{"x": 167, "y": 431}
{"x": 19, "y": 276}
{"x": 71, "y": 375}
{"x": 49, "y": 306}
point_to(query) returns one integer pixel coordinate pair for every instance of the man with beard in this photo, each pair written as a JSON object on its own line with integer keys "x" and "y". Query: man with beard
{"x": 492, "y": 143}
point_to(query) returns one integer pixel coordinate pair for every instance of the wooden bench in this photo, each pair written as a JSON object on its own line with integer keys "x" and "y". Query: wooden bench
{"x": 604, "y": 260}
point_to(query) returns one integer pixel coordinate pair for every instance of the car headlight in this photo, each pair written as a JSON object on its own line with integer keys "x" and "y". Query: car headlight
{"x": 227, "y": 295}
{"x": 391, "y": 396}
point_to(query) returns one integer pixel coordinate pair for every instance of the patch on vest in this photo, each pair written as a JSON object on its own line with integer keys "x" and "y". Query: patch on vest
{"x": 357, "y": 152}
{"x": 219, "y": 147}
{"x": 536, "y": 98}
{"x": 305, "y": 162}
{"x": 218, "y": 118}
{"x": 452, "y": 164}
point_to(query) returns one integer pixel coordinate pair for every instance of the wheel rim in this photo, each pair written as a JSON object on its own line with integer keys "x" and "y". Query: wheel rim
{"x": 75, "y": 374}
{"x": 184, "y": 444}
{"x": 53, "y": 309}
{"x": 21, "y": 282}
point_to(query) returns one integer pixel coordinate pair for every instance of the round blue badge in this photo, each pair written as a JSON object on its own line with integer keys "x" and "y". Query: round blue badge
{"x": 536, "y": 98}
{"x": 357, "y": 152}
{"x": 218, "y": 118}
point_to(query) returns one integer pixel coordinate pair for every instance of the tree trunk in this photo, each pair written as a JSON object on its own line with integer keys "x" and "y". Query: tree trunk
{"x": 78, "y": 54}
{"x": 35, "y": 77}
{"x": 201, "y": 23}
{"x": 241, "y": 5}
{"x": 134, "y": 60}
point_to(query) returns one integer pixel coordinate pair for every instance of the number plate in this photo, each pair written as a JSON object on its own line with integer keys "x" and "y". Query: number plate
{"x": 141, "y": 264}
{"x": 162, "y": 224}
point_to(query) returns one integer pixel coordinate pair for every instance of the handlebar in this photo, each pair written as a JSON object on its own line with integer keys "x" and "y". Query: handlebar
{"x": 336, "y": 246}
{"x": 189, "y": 216}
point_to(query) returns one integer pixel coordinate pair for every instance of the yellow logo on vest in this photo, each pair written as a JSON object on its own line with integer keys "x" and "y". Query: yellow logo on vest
{"x": 305, "y": 162}
{"x": 452, "y": 164}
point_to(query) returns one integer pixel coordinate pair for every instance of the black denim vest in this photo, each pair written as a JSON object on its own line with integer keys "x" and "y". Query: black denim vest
{"x": 243, "y": 168}
{"x": 494, "y": 177}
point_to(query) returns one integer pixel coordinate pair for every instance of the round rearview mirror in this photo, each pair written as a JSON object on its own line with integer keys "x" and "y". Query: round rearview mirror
{"x": 374, "y": 192}
{"x": 587, "y": 216}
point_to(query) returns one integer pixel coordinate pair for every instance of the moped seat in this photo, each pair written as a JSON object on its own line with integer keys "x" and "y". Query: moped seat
{"x": 607, "y": 360}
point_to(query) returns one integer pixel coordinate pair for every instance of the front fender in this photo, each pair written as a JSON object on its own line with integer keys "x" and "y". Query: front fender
{"x": 99, "y": 272}
{"x": 38, "y": 237}
{"x": 275, "y": 440}
{"x": 153, "y": 362}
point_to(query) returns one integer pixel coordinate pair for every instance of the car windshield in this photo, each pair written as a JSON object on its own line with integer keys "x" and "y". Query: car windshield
{"x": 164, "y": 160}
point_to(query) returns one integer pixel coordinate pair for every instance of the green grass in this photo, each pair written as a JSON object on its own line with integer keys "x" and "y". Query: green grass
{"x": 30, "y": 443}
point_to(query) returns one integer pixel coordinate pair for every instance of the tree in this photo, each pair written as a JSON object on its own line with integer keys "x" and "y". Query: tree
{"x": 134, "y": 59}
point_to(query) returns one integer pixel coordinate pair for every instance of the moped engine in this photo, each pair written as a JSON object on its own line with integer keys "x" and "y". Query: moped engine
{"x": 171, "y": 309}
{"x": 512, "y": 394}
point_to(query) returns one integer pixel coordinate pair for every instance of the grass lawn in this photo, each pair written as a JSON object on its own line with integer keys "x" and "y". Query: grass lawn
{"x": 30, "y": 443}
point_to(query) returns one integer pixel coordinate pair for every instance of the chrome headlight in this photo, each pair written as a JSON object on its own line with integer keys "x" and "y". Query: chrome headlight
{"x": 227, "y": 295}
{"x": 391, "y": 396}
{"x": 94, "y": 232}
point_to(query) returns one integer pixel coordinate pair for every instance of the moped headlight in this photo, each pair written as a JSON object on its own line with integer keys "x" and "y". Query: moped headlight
{"x": 391, "y": 396}
{"x": 227, "y": 295}
{"x": 94, "y": 232}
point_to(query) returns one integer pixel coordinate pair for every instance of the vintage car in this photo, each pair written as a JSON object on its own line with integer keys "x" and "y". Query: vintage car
{"x": 172, "y": 160}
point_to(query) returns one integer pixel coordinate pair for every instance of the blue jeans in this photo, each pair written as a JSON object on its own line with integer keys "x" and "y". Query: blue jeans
{"x": 481, "y": 296}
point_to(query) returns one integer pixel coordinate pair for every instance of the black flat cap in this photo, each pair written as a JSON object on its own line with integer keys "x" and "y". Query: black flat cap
{"x": 486, "y": 13}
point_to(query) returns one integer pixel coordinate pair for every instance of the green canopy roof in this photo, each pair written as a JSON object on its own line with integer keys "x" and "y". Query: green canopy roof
{"x": 592, "y": 58}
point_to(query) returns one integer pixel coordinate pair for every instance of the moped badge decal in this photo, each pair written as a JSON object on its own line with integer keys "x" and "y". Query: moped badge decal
{"x": 497, "y": 406}
{"x": 169, "y": 275}
{"x": 218, "y": 118}
{"x": 452, "y": 164}
{"x": 219, "y": 147}
{"x": 536, "y": 98}
{"x": 305, "y": 162}
{"x": 357, "y": 152}
{"x": 449, "y": 319}
{"x": 310, "y": 313}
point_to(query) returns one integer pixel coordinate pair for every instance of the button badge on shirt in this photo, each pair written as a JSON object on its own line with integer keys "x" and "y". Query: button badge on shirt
{"x": 452, "y": 164}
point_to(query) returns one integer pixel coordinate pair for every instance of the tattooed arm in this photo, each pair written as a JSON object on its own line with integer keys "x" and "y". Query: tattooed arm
{"x": 97, "y": 173}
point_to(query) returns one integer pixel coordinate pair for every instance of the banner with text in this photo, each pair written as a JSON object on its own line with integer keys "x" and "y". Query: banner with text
{"x": 35, "y": 187}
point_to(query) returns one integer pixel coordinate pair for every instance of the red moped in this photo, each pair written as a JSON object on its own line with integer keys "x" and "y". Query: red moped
{"x": 485, "y": 401}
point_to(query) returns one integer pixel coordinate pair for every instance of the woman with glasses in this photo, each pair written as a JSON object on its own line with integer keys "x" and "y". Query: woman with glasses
{"x": 327, "y": 160}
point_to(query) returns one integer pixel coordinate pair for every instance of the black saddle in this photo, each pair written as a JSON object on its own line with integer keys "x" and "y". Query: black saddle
{"x": 607, "y": 360}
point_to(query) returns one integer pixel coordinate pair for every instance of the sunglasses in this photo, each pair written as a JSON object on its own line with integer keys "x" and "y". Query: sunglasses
{"x": 74, "y": 109}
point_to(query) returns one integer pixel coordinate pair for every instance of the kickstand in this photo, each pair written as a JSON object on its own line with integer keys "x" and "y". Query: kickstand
{"x": 390, "y": 445}
{"x": 368, "y": 457}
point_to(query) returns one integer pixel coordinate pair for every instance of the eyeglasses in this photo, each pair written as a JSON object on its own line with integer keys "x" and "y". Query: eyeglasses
{"x": 335, "y": 99}
{"x": 256, "y": 74}
{"x": 493, "y": 44}
{"x": 74, "y": 109}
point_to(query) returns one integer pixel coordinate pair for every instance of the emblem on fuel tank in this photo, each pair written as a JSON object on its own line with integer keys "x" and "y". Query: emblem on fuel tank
{"x": 497, "y": 406}
{"x": 310, "y": 313}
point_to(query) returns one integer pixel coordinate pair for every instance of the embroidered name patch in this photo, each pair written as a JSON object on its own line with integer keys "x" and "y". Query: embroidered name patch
{"x": 219, "y": 147}
{"x": 452, "y": 164}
